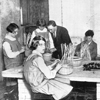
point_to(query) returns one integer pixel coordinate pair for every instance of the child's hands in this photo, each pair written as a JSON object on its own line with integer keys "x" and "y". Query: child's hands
{"x": 54, "y": 65}
{"x": 22, "y": 50}
{"x": 57, "y": 61}
{"x": 58, "y": 67}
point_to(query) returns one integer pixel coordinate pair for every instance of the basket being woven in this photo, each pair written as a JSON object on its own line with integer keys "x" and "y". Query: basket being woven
{"x": 75, "y": 61}
{"x": 65, "y": 70}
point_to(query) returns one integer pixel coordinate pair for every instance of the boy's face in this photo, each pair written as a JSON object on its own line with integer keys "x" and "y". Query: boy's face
{"x": 89, "y": 38}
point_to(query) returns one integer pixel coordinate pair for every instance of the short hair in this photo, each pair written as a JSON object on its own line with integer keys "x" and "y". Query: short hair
{"x": 11, "y": 27}
{"x": 41, "y": 22}
{"x": 89, "y": 33}
{"x": 35, "y": 42}
{"x": 51, "y": 22}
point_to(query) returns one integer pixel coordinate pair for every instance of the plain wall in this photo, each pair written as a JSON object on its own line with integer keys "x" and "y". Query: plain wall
{"x": 9, "y": 12}
{"x": 77, "y": 16}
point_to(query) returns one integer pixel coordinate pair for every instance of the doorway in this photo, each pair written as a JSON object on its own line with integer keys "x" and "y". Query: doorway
{"x": 32, "y": 10}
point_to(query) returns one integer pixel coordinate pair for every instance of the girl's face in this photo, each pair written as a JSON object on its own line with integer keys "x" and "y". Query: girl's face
{"x": 41, "y": 46}
{"x": 41, "y": 27}
{"x": 15, "y": 32}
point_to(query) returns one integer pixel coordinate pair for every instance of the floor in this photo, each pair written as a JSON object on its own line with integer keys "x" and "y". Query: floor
{"x": 10, "y": 93}
{"x": 83, "y": 91}
{"x": 77, "y": 94}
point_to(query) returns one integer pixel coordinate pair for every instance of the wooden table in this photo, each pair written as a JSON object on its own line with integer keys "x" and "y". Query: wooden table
{"x": 80, "y": 76}
{"x": 23, "y": 92}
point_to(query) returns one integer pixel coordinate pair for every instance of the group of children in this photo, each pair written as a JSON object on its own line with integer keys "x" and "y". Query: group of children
{"x": 36, "y": 73}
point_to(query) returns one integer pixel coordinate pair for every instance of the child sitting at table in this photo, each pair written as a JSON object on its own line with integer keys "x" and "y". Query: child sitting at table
{"x": 42, "y": 78}
{"x": 13, "y": 54}
{"x": 88, "y": 47}
{"x": 12, "y": 50}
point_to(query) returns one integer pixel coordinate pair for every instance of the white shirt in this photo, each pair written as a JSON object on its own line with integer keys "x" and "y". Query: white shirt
{"x": 55, "y": 33}
{"x": 40, "y": 31}
{"x": 89, "y": 43}
{"x": 7, "y": 48}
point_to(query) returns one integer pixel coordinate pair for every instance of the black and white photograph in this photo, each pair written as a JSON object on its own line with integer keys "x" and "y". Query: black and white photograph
{"x": 49, "y": 49}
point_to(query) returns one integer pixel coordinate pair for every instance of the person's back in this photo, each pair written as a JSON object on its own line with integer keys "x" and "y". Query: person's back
{"x": 37, "y": 78}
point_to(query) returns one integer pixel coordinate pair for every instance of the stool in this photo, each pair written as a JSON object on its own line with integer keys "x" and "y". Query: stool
{"x": 41, "y": 96}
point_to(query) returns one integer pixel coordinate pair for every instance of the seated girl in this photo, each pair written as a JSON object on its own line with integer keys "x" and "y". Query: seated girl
{"x": 42, "y": 78}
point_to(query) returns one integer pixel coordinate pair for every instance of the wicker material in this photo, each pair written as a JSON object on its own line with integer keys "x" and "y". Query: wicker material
{"x": 76, "y": 62}
{"x": 65, "y": 70}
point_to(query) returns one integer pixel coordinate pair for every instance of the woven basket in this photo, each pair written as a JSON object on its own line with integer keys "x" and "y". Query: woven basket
{"x": 65, "y": 70}
{"x": 47, "y": 56}
{"x": 75, "y": 61}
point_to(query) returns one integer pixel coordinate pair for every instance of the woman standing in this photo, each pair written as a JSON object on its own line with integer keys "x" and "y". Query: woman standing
{"x": 42, "y": 78}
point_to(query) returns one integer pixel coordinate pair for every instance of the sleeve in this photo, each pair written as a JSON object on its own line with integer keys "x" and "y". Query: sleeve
{"x": 7, "y": 48}
{"x": 94, "y": 52}
{"x": 47, "y": 72}
{"x": 65, "y": 36}
{"x": 78, "y": 47}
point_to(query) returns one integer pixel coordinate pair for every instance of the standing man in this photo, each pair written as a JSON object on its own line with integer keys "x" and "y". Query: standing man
{"x": 60, "y": 36}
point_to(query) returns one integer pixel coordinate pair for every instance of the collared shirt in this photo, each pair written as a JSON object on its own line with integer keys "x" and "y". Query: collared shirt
{"x": 55, "y": 33}
{"x": 7, "y": 47}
